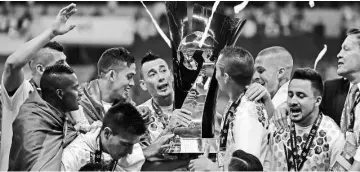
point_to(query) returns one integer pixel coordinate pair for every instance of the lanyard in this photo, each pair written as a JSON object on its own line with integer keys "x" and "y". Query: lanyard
{"x": 98, "y": 155}
{"x": 160, "y": 114}
{"x": 299, "y": 160}
{"x": 225, "y": 129}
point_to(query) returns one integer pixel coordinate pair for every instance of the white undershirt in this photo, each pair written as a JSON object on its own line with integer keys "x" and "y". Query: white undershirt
{"x": 106, "y": 105}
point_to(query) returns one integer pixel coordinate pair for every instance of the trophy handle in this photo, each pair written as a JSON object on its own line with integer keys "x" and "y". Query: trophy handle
{"x": 236, "y": 36}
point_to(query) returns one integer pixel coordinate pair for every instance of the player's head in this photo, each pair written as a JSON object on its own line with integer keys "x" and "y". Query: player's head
{"x": 304, "y": 94}
{"x": 59, "y": 87}
{"x": 273, "y": 68}
{"x": 156, "y": 76}
{"x": 50, "y": 54}
{"x": 235, "y": 65}
{"x": 122, "y": 127}
{"x": 242, "y": 161}
{"x": 116, "y": 68}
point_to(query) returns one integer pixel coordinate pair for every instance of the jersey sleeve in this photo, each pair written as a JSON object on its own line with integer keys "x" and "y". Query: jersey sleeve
{"x": 18, "y": 98}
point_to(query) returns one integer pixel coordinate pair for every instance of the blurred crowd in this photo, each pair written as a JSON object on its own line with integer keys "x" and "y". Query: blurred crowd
{"x": 272, "y": 19}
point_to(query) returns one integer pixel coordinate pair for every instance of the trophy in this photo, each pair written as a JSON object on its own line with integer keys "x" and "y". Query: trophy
{"x": 195, "y": 85}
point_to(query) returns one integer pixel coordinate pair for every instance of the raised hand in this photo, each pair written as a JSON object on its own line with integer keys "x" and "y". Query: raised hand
{"x": 59, "y": 27}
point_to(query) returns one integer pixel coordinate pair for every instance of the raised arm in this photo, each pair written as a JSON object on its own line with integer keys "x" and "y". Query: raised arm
{"x": 13, "y": 74}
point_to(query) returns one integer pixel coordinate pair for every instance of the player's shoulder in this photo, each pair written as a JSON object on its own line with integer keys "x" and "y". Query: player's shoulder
{"x": 254, "y": 110}
{"x": 85, "y": 142}
{"x": 250, "y": 105}
{"x": 329, "y": 125}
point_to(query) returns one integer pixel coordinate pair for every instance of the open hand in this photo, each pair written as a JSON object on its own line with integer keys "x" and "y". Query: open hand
{"x": 59, "y": 27}
{"x": 256, "y": 91}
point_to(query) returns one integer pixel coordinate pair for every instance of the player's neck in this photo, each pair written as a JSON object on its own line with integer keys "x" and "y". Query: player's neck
{"x": 105, "y": 92}
{"x": 56, "y": 103}
{"x": 164, "y": 100}
{"x": 36, "y": 79}
{"x": 102, "y": 143}
{"x": 235, "y": 92}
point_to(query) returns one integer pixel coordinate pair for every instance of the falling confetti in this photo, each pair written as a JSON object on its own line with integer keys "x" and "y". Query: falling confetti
{"x": 240, "y": 7}
{"x": 320, "y": 56}
{"x": 311, "y": 3}
{"x": 162, "y": 34}
{"x": 208, "y": 24}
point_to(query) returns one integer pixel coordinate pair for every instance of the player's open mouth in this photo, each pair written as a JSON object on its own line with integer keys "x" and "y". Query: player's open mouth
{"x": 163, "y": 87}
{"x": 295, "y": 111}
{"x": 340, "y": 63}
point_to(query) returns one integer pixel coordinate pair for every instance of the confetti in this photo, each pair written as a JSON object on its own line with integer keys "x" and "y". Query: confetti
{"x": 240, "y": 7}
{"x": 208, "y": 24}
{"x": 320, "y": 56}
{"x": 162, "y": 34}
{"x": 311, "y": 3}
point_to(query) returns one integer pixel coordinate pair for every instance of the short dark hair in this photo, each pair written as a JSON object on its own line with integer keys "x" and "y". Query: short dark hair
{"x": 114, "y": 57}
{"x": 124, "y": 116}
{"x": 147, "y": 58}
{"x": 239, "y": 64}
{"x": 243, "y": 161}
{"x": 311, "y": 75}
{"x": 55, "y": 46}
{"x": 54, "y": 77}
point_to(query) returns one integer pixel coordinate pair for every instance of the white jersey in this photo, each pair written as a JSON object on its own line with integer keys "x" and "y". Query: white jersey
{"x": 248, "y": 130}
{"x": 10, "y": 110}
{"x": 81, "y": 152}
{"x": 323, "y": 153}
{"x": 156, "y": 127}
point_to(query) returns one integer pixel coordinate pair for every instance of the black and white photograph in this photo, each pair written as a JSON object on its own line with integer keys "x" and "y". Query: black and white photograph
{"x": 180, "y": 85}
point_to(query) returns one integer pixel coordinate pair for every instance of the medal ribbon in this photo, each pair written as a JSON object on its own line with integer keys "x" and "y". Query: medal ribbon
{"x": 299, "y": 160}
{"x": 161, "y": 115}
{"x": 98, "y": 155}
{"x": 225, "y": 129}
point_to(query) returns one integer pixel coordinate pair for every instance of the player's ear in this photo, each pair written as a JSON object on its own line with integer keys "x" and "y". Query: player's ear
{"x": 281, "y": 73}
{"x": 143, "y": 85}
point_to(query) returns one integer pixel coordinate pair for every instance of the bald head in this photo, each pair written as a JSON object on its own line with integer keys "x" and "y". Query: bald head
{"x": 273, "y": 67}
{"x": 277, "y": 56}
